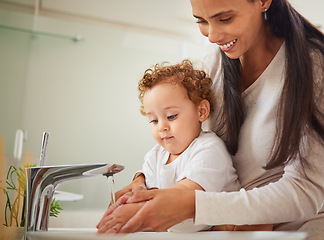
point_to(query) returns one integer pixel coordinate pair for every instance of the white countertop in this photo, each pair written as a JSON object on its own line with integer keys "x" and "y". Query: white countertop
{"x": 91, "y": 233}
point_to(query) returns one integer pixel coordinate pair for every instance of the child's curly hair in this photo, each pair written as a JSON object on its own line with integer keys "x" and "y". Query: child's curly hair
{"x": 196, "y": 82}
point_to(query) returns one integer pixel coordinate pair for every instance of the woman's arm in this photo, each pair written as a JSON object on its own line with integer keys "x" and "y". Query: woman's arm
{"x": 289, "y": 199}
{"x": 173, "y": 210}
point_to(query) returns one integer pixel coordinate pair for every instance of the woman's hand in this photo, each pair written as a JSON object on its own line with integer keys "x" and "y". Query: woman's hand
{"x": 112, "y": 207}
{"x": 113, "y": 222}
{"x": 123, "y": 195}
{"x": 163, "y": 209}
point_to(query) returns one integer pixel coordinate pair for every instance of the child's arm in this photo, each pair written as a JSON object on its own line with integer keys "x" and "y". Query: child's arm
{"x": 187, "y": 184}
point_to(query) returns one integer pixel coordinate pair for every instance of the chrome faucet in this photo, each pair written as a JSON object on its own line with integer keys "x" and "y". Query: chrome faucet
{"x": 42, "y": 182}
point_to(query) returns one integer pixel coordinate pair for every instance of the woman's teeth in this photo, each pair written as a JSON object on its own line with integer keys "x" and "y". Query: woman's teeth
{"x": 228, "y": 45}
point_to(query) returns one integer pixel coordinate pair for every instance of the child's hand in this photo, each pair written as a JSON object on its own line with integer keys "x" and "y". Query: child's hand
{"x": 113, "y": 222}
{"x": 136, "y": 185}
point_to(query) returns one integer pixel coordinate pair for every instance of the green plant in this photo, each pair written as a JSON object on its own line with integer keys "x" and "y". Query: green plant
{"x": 16, "y": 208}
{"x": 56, "y": 206}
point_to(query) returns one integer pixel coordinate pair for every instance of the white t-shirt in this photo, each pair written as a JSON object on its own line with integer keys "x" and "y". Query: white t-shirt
{"x": 206, "y": 162}
{"x": 291, "y": 199}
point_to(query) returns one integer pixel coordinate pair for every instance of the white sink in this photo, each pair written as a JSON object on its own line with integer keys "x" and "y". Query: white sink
{"x": 91, "y": 233}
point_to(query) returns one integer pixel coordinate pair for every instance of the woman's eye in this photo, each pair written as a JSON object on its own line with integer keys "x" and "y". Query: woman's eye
{"x": 201, "y": 22}
{"x": 225, "y": 20}
{"x": 172, "y": 117}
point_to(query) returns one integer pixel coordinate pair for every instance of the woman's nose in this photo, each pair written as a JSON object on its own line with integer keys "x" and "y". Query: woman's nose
{"x": 214, "y": 34}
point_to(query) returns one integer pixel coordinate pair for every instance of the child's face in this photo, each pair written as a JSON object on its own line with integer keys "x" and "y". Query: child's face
{"x": 174, "y": 118}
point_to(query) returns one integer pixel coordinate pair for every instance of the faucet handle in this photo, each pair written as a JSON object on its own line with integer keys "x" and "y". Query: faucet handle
{"x": 43, "y": 148}
{"x": 115, "y": 168}
{"x": 107, "y": 170}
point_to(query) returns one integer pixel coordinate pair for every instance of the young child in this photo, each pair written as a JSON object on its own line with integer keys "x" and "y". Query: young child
{"x": 176, "y": 100}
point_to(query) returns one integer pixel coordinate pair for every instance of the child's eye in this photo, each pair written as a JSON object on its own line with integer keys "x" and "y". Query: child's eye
{"x": 172, "y": 117}
{"x": 154, "y": 121}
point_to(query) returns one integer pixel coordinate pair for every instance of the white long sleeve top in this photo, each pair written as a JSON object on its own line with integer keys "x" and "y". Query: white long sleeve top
{"x": 282, "y": 196}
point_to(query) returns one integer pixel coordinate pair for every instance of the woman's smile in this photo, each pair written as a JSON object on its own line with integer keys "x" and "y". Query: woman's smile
{"x": 227, "y": 46}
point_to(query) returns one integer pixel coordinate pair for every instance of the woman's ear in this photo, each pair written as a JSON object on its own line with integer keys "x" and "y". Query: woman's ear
{"x": 265, "y": 4}
{"x": 203, "y": 110}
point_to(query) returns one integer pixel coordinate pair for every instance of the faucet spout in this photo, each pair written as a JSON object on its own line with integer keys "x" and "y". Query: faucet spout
{"x": 41, "y": 184}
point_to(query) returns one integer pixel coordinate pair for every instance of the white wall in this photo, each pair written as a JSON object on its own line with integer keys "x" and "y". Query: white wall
{"x": 312, "y": 10}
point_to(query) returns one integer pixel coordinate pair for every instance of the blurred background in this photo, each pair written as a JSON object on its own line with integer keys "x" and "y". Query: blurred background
{"x": 71, "y": 68}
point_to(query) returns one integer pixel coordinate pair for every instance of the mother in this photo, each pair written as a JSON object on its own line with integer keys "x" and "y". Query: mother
{"x": 267, "y": 69}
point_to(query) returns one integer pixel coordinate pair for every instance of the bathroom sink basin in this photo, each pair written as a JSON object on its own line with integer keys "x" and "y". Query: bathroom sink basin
{"x": 91, "y": 233}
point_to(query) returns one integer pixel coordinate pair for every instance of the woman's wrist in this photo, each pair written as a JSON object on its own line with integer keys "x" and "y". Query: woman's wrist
{"x": 186, "y": 204}
{"x": 191, "y": 204}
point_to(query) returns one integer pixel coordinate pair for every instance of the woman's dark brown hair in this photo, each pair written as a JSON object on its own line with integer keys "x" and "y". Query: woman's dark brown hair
{"x": 297, "y": 113}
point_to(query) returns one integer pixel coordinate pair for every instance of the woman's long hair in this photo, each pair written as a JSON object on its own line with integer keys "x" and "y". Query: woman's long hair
{"x": 297, "y": 111}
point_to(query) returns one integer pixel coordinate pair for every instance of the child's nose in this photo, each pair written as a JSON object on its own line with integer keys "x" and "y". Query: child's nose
{"x": 163, "y": 126}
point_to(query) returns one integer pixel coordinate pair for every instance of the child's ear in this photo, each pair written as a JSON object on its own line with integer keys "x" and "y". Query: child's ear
{"x": 203, "y": 110}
